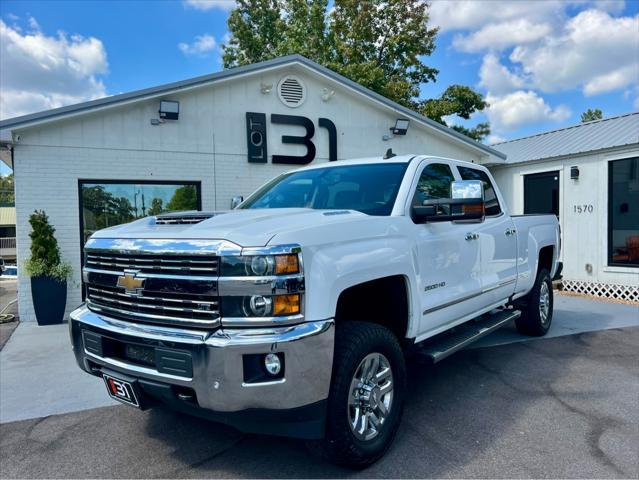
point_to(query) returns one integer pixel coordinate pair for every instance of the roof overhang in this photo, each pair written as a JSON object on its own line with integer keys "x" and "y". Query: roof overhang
{"x": 489, "y": 155}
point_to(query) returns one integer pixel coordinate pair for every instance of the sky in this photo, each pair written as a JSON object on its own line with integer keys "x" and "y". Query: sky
{"x": 540, "y": 64}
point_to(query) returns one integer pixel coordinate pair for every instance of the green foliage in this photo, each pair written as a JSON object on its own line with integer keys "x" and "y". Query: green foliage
{"x": 379, "y": 44}
{"x": 7, "y": 191}
{"x": 156, "y": 207}
{"x": 458, "y": 100}
{"x": 590, "y": 115}
{"x": 45, "y": 254}
{"x": 184, "y": 198}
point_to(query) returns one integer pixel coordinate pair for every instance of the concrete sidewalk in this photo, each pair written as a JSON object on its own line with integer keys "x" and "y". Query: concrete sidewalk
{"x": 39, "y": 376}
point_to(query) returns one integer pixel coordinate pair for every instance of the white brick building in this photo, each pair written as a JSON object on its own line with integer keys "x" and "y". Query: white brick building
{"x": 118, "y": 147}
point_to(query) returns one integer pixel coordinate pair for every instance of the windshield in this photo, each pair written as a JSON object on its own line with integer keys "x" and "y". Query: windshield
{"x": 370, "y": 189}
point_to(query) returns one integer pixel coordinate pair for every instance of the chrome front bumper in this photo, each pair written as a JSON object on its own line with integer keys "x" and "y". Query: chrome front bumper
{"x": 217, "y": 360}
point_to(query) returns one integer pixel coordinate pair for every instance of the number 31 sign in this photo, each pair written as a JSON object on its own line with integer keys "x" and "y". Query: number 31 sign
{"x": 257, "y": 145}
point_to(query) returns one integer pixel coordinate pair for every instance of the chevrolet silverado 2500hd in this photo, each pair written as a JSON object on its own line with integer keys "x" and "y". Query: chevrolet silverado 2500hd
{"x": 292, "y": 313}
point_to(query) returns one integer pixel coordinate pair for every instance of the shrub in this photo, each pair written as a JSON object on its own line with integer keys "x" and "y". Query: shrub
{"x": 45, "y": 255}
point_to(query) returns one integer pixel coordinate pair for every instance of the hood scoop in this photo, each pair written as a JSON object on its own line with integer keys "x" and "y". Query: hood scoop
{"x": 184, "y": 218}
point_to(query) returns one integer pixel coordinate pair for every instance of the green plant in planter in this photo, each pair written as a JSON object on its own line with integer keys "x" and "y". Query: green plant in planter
{"x": 48, "y": 272}
{"x": 45, "y": 255}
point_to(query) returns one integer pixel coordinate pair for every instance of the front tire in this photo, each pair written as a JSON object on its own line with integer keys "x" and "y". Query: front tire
{"x": 537, "y": 307}
{"x": 366, "y": 398}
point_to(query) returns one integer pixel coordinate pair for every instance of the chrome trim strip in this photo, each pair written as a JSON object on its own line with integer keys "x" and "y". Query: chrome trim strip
{"x": 272, "y": 250}
{"x": 177, "y": 321}
{"x": 265, "y": 384}
{"x": 499, "y": 285}
{"x": 271, "y": 285}
{"x": 202, "y": 278}
{"x": 468, "y": 297}
{"x": 262, "y": 321}
{"x": 162, "y": 246}
{"x": 150, "y": 306}
{"x": 142, "y": 330}
{"x": 135, "y": 368}
{"x": 146, "y": 297}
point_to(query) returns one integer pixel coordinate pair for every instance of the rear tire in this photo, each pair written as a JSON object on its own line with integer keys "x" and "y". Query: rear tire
{"x": 536, "y": 307}
{"x": 369, "y": 380}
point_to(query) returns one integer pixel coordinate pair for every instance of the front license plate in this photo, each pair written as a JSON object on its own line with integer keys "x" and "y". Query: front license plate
{"x": 121, "y": 390}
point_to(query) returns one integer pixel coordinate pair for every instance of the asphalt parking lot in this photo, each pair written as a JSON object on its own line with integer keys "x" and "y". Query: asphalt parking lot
{"x": 558, "y": 407}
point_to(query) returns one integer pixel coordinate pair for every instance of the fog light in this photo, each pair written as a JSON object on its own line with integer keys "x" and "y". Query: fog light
{"x": 272, "y": 364}
{"x": 260, "y": 306}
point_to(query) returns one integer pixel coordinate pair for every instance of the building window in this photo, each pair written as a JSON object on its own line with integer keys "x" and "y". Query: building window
{"x": 490, "y": 197}
{"x": 105, "y": 203}
{"x": 623, "y": 212}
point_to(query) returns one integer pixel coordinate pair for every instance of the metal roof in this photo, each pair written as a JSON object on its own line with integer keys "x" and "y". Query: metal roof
{"x": 52, "y": 114}
{"x": 585, "y": 137}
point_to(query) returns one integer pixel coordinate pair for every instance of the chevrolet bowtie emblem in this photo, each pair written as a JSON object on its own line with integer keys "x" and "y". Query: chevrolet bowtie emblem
{"x": 132, "y": 286}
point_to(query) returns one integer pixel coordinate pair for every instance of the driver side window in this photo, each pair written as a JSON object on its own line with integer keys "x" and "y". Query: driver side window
{"x": 434, "y": 183}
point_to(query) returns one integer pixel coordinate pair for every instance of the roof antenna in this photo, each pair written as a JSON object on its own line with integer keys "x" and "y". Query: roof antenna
{"x": 389, "y": 154}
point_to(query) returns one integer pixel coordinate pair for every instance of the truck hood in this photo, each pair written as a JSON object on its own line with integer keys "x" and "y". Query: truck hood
{"x": 246, "y": 228}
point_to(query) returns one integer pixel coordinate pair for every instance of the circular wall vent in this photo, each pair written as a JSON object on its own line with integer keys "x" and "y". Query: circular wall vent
{"x": 291, "y": 91}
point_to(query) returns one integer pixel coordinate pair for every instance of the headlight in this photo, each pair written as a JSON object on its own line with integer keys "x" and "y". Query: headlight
{"x": 259, "y": 265}
{"x": 262, "y": 305}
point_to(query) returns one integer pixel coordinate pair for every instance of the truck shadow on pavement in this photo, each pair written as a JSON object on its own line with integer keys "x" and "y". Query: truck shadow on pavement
{"x": 481, "y": 413}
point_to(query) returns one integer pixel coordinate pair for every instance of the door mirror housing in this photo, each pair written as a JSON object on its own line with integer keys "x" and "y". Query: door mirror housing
{"x": 235, "y": 201}
{"x": 466, "y": 204}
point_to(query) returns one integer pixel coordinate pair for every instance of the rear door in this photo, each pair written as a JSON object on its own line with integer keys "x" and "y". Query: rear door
{"x": 448, "y": 263}
{"x": 498, "y": 241}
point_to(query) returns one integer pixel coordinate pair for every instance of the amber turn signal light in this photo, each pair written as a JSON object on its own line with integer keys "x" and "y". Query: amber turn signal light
{"x": 286, "y": 304}
{"x": 286, "y": 264}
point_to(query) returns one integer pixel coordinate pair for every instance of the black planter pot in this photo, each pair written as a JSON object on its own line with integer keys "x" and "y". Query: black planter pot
{"x": 49, "y": 299}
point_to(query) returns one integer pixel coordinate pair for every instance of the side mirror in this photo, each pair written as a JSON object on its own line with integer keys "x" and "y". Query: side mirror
{"x": 466, "y": 203}
{"x": 235, "y": 201}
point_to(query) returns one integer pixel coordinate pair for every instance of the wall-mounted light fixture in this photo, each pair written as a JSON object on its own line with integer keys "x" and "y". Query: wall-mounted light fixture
{"x": 169, "y": 110}
{"x": 266, "y": 88}
{"x": 574, "y": 173}
{"x": 327, "y": 94}
{"x": 401, "y": 126}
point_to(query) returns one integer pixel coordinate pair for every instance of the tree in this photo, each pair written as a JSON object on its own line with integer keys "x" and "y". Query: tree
{"x": 156, "y": 207}
{"x": 590, "y": 115}
{"x": 379, "y": 44}
{"x": 184, "y": 198}
{"x": 7, "y": 194}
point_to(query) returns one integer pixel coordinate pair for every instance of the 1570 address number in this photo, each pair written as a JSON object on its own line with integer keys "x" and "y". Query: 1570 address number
{"x": 585, "y": 208}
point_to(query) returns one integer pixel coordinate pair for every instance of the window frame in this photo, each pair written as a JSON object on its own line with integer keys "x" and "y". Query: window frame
{"x": 490, "y": 181}
{"x": 84, "y": 181}
{"x": 609, "y": 226}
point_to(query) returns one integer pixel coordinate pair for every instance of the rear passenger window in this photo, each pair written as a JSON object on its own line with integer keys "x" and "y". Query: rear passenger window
{"x": 490, "y": 196}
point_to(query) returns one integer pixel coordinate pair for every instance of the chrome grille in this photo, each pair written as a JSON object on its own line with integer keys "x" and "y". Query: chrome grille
{"x": 162, "y": 307}
{"x": 193, "y": 265}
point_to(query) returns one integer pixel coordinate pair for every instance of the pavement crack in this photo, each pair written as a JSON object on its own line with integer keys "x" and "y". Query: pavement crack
{"x": 598, "y": 426}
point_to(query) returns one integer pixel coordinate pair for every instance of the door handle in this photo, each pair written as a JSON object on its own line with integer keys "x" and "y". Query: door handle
{"x": 472, "y": 236}
{"x": 510, "y": 231}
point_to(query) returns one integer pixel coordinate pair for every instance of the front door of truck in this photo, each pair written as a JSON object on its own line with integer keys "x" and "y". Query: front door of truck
{"x": 448, "y": 264}
{"x": 498, "y": 242}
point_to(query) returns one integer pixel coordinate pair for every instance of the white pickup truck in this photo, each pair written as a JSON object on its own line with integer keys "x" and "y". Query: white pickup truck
{"x": 293, "y": 313}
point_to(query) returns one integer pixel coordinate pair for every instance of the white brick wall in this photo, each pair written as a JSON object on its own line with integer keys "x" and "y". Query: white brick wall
{"x": 207, "y": 144}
